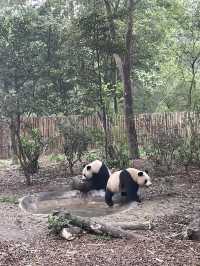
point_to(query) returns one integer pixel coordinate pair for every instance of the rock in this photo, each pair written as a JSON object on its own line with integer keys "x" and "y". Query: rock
{"x": 66, "y": 234}
{"x": 78, "y": 184}
{"x": 71, "y": 232}
{"x": 193, "y": 230}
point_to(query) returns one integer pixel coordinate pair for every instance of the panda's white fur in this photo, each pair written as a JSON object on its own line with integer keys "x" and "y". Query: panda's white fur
{"x": 96, "y": 174}
{"x": 114, "y": 184}
{"x": 95, "y": 168}
{"x": 114, "y": 179}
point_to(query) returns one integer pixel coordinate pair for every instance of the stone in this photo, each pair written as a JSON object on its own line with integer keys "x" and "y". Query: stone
{"x": 66, "y": 234}
{"x": 193, "y": 230}
{"x": 80, "y": 185}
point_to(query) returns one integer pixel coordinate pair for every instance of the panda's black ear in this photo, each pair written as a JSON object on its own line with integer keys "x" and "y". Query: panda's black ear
{"x": 146, "y": 171}
{"x": 88, "y": 167}
{"x": 140, "y": 174}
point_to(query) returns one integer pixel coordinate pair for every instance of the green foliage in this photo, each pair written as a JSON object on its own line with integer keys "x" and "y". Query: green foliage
{"x": 30, "y": 148}
{"x": 56, "y": 224}
{"x": 189, "y": 150}
{"x": 12, "y": 200}
{"x": 56, "y": 158}
{"x": 58, "y": 59}
{"x": 49, "y": 56}
{"x": 97, "y": 136}
{"x": 142, "y": 151}
{"x": 121, "y": 159}
{"x": 92, "y": 155}
{"x": 76, "y": 141}
{"x": 102, "y": 237}
{"x": 32, "y": 144}
{"x": 169, "y": 149}
{"x": 162, "y": 150}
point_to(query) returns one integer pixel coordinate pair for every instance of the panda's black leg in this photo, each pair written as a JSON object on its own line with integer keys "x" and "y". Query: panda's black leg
{"x": 138, "y": 199}
{"x": 108, "y": 198}
{"x": 132, "y": 188}
{"x": 124, "y": 194}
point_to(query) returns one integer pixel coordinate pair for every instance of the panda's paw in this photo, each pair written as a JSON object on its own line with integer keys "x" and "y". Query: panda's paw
{"x": 110, "y": 204}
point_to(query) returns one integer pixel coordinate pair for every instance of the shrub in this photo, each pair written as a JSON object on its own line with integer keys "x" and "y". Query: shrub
{"x": 93, "y": 155}
{"x": 56, "y": 158}
{"x": 30, "y": 148}
{"x": 76, "y": 141}
{"x": 120, "y": 159}
{"x": 189, "y": 150}
{"x": 56, "y": 224}
{"x": 162, "y": 150}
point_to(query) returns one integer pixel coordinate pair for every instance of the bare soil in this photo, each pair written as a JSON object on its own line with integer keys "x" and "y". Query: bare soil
{"x": 170, "y": 205}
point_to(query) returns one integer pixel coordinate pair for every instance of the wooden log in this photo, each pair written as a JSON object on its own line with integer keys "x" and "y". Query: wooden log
{"x": 96, "y": 227}
{"x": 133, "y": 226}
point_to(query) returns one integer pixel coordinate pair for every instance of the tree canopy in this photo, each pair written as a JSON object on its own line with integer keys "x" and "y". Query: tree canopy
{"x": 58, "y": 57}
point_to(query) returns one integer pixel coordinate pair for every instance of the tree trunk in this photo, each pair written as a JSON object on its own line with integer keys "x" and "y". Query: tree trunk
{"x": 103, "y": 116}
{"x": 28, "y": 178}
{"x": 13, "y": 141}
{"x": 128, "y": 97}
{"x": 124, "y": 66}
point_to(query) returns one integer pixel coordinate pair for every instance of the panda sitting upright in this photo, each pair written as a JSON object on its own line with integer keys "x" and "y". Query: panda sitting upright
{"x": 96, "y": 175}
{"x": 127, "y": 182}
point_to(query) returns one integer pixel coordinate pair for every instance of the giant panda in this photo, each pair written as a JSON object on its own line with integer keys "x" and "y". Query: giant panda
{"x": 96, "y": 175}
{"x": 127, "y": 182}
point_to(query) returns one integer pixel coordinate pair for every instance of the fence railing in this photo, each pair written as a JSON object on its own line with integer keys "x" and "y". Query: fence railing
{"x": 147, "y": 126}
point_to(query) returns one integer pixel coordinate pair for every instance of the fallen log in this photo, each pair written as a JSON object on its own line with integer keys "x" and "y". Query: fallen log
{"x": 133, "y": 226}
{"x": 65, "y": 219}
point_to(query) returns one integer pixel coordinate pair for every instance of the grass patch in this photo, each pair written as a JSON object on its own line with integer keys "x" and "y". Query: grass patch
{"x": 12, "y": 200}
{"x": 56, "y": 158}
{"x": 102, "y": 237}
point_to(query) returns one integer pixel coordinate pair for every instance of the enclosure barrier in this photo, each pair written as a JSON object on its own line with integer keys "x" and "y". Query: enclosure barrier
{"x": 147, "y": 126}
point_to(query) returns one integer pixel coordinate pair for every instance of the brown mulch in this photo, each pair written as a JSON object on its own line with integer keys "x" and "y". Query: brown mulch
{"x": 89, "y": 251}
{"x": 32, "y": 245}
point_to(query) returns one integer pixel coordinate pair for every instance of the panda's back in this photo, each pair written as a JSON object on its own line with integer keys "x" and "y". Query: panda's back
{"x": 114, "y": 181}
{"x": 100, "y": 178}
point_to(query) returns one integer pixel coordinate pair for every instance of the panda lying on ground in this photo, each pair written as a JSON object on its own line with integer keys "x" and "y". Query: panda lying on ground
{"x": 127, "y": 182}
{"x": 96, "y": 175}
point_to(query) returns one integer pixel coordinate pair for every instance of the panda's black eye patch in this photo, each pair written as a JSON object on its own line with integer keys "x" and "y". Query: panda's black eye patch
{"x": 88, "y": 167}
{"x": 146, "y": 171}
{"x": 145, "y": 181}
{"x": 140, "y": 174}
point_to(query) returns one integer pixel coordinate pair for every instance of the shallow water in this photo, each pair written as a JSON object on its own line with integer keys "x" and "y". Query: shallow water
{"x": 85, "y": 209}
{"x": 85, "y": 206}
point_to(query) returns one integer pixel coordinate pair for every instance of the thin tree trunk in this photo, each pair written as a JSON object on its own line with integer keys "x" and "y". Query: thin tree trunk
{"x": 124, "y": 66}
{"x": 192, "y": 84}
{"x": 113, "y": 37}
{"x": 13, "y": 141}
{"x": 128, "y": 97}
{"x": 125, "y": 72}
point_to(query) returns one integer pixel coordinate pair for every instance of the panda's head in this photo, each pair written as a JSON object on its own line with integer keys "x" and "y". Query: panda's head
{"x": 90, "y": 169}
{"x": 143, "y": 179}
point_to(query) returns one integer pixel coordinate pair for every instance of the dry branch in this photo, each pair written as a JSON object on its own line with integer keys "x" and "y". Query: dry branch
{"x": 96, "y": 227}
{"x": 133, "y": 226}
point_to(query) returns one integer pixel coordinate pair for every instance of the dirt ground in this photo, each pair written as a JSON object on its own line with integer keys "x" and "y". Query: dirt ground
{"x": 170, "y": 205}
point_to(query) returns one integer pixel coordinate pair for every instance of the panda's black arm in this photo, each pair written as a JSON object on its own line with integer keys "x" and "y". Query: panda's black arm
{"x": 108, "y": 198}
{"x": 129, "y": 186}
